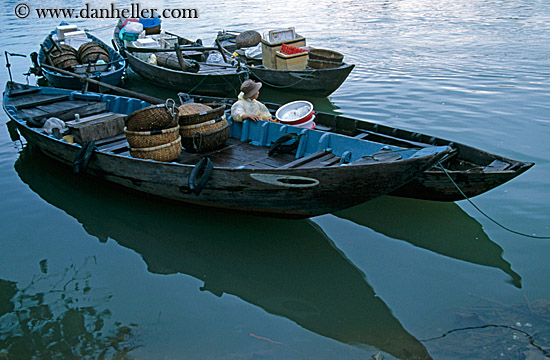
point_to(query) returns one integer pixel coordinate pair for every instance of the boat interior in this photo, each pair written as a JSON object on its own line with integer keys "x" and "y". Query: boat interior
{"x": 248, "y": 146}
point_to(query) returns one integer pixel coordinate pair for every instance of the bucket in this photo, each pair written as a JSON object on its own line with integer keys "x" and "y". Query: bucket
{"x": 151, "y": 25}
{"x": 310, "y": 124}
{"x": 295, "y": 113}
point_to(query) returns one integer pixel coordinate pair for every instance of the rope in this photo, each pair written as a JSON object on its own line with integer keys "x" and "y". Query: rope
{"x": 276, "y": 86}
{"x": 196, "y": 86}
{"x": 483, "y": 213}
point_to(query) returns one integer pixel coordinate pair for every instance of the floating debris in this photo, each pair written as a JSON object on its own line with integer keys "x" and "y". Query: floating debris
{"x": 491, "y": 330}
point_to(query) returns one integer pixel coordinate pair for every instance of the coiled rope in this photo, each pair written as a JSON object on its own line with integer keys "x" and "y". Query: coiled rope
{"x": 483, "y": 213}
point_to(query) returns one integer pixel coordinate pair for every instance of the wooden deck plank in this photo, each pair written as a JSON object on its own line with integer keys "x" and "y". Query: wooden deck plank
{"x": 65, "y": 111}
{"x": 114, "y": 146}
{"x": 322, "y": 161}
{"x": 42, "y": 100}
{"x": 303, "y": 160}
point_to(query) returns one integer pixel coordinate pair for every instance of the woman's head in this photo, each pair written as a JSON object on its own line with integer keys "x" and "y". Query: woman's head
{"x": 250, "y": 89}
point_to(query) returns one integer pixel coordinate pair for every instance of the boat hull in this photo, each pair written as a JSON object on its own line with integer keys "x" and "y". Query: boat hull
{"x": 207, "y": 84}
{"x": 315, "y": 82}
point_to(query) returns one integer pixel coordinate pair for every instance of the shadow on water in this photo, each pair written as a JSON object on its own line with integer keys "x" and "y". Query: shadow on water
{"x": 287, "y": 268}
{"x": 443, "y": 228}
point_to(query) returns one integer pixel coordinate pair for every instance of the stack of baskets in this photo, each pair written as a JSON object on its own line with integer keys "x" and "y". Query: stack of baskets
{"x": 324, "y": 59}
{"x": 203, "y": 127}
{"x": 153, "y": 132}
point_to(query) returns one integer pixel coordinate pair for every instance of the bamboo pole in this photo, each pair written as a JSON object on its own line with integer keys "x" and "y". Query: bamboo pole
{"x": 125, "y": 92}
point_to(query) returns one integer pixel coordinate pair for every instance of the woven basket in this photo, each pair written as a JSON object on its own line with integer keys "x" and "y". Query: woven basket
{"x": 326, "y": 55}
{"x": 151, "y": 30}
{"x": 204, "y": 141}
{"x": 166, "y": 152}
{"x": 93, "y": 51}
{"x": 203, "y": 127}
{"x": 154, "y": 117}
{"x": 64, "y": 59}
{"x": 248, "y": 38}
{"x": 144, "y": 139}
{"x": 195, "y": 113}
{"x": 322, "y": 64}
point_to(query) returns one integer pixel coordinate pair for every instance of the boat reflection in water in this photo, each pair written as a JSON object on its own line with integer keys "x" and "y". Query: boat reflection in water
{"x": 288, "y": 268}
{"x": 443, "y": 228}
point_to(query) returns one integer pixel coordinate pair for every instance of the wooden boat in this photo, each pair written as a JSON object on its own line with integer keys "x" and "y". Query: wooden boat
{"x": 315, "y": 82}
{"x": 110, "y": 73}
{"x": 328, "y": 172}
{"x": 197, "y": 76}
{"x": 473, "y": 171}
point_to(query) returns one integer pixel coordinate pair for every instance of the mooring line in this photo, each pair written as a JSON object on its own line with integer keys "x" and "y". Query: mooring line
{"x": 483, "y": 213}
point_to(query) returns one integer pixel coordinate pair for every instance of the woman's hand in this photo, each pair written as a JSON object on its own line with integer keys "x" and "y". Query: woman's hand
{"x": 252, "y": 117}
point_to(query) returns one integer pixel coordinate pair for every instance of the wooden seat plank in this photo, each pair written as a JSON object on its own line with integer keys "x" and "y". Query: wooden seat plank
{"x": 41, "y": 100}
{"x": 303, "y": 160}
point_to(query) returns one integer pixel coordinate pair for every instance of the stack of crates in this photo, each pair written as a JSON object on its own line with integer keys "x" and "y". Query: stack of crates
{"x": 272, "y": 43}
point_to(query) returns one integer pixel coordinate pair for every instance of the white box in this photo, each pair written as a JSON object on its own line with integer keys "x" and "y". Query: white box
{"x": 146, "y": 43}
{"x": 76, "y": 38}
{"x": 63, "y": 29}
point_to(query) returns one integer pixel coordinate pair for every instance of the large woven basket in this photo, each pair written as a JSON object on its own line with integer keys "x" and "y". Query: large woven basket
{"x": 154, "y": 117}
{"x": 64, "y": 59}
{"x": 165, "y": 152}
{"x": 322, "y": 64}
{"x": 93, "y": 51}
{"x": 195, "y": 113}
{"x": 326, "y": 55}
{"x": 205, "y": 138}
{"x": 248, "y": 38}
{"x": 145, "y": 139}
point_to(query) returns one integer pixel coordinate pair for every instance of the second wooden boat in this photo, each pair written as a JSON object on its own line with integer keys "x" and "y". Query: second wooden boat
{"x": 314, "y": 82}
{"x": 192, "y": 72}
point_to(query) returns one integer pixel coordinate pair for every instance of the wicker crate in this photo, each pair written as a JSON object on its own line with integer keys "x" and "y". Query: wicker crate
{"x": 269, "y": 50}
{"x": 292, "y": 61}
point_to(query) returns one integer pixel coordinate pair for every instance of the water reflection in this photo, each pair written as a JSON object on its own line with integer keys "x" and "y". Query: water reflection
{"x": 443, "y": 228}
{"x": 46, "y": 320}
{"x": 288, "y": 268}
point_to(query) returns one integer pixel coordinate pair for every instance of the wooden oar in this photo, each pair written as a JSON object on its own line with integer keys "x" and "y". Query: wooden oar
{"x": 125, "y": 92}
{"x": 183, "y": 48}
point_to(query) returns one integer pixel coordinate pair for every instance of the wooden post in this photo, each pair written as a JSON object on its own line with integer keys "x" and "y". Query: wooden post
{"x": 180, "y": 59}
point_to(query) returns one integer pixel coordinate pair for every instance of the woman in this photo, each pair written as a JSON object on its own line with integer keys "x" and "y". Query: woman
{"x": 247, "y": 107}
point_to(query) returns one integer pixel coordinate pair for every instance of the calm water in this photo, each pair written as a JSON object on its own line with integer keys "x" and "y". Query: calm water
{"x": 93, "y": 270}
